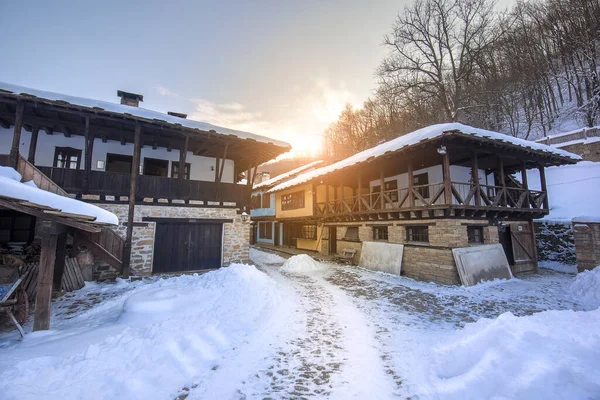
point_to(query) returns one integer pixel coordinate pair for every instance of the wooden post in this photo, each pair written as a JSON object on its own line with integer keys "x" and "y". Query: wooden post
{"x": 33, "y": 144}
{"x": 182, "y": 157}
{"x": 382, "y": 187}
{"x": 326, "y": 208}
{"x": 524, "y": 175}
{"x": 14, "y": 151}
{"x": 43, "y": 297}
{"x": 447, "y": 179}
{"x": 502, "y": 181}
{"x": 544, "y": 187}
{"x": 475, "y": 175}
{"x": 88, "y": 155}
{"x": 411, "y": 182}
{"x": 135, "y": 168}
{"x": 359, "y": 197}
{"x": 59, "y": 263}
{"x": 342, "y": 203}
{"x": 221, "y": 169}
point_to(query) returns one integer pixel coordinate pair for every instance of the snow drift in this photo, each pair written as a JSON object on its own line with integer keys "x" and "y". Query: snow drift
{"x": 262, "y": 257}
{"x": 171, "y": 333}
{"x": 551, "y": 354}
{"x": 586, "y": 288}
{"x": 302, "y": 263}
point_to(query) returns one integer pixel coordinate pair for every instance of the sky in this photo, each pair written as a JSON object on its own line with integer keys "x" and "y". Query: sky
{"x": 283, "y": 69}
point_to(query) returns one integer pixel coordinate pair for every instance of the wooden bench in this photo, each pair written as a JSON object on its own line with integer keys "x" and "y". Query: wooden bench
{"x": 347, "y": 256}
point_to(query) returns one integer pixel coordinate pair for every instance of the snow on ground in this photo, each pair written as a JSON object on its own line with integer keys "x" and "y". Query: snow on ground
{"x": 320, "y": 330}
{"x": 11, "y": 186}
{"x": 263, "y": 257}
{"x": 586, "y": 288}
{"x": 558, "y": 266}
{"x": 152, "y": 341}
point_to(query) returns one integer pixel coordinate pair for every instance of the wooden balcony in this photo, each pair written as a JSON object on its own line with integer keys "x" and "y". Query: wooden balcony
{"x": 429, "y": 201}
{"x": 148, "y": 187}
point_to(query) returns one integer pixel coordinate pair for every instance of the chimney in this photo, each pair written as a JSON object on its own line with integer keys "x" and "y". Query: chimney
{"x": 176, "y": 114}
{"x": 130, "y": 99}
{"x": 262, "y": 176}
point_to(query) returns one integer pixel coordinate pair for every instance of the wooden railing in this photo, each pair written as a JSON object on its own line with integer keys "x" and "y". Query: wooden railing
{"x": 464, "y": 194}
{"x": 156, "y": 187}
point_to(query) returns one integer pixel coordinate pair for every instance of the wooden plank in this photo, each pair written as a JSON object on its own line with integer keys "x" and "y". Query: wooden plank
{"x": 80, "y": 217}
{"x": 33, "y": 144}
{"x": 16, "y": 142}
{"x": 59, "y": 264}
{"x": 44, "y": 284}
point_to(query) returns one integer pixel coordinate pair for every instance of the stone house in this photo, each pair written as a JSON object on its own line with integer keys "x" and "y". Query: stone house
{"x": 439, "y": 188}
{"x": 173, "y": 182}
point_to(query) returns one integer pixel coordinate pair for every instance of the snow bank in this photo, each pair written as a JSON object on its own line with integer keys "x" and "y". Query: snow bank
{"x": 170, "y": 334}
{"x": 558, "y": 266}
{"x": 586, "y": 288}
{"x": 549, "y": 355}
{"x": 11, "y": 186}
{"x": 302, "y": 263}
{"x": 262, "y": 257}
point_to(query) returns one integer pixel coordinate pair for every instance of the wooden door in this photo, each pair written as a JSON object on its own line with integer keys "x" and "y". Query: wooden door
{"x": 332, "y": 240}
{"x": 276, "y": 233}
{"x": 523, "y": 247}
{"x": 182, "y": 247}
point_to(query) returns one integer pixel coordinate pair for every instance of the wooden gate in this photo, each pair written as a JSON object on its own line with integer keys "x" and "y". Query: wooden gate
{"x": 181, "y": 247}
{"x": 523, "y": 247}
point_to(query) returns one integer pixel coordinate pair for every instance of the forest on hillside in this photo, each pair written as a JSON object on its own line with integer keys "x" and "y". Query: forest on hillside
{"x": 528, "y": 72}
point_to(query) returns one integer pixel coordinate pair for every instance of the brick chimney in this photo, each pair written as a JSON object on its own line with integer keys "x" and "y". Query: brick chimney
{"x": 176, "y": 114}
{"x": 130, "y": 99}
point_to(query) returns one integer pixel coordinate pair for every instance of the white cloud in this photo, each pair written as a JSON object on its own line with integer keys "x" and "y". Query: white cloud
{"x": 165, "y": 91}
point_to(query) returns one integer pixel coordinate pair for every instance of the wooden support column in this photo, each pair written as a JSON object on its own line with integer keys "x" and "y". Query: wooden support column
{"x": 342, "y": 205}
{"x": 447, "y": 179}
{"x": 475, "y": 175}
{"x": 221, "y": 169}
{"x": 50, "y": 232}
{"x": 359, "y": 195}
{"x": 544, "y": 186}
{"x": 382, "y": 188}
{"x": 59, "y": 263}
{"x": 502, "y": 181}
{"x": 135, "y": 168}
{"x": 182, "y": 157}
{"x": 14, "y": 150}
{"x": 89, "y": 147}
{"x": 33, "y": 144}
{"x": 326, "y": 208}
{"x": 525, "y": 184}
{"x": 411, "y": 182}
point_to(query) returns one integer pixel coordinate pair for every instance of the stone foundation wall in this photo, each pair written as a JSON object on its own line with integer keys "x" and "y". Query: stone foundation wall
{"x": 236, "y": 235}
{"x": 587, "y": 244}
{"x": 431, "y": 261}
{"x": 588, "y": 151}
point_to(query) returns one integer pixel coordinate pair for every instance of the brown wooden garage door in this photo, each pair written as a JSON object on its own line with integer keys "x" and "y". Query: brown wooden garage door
{"x": 180, "y": 247}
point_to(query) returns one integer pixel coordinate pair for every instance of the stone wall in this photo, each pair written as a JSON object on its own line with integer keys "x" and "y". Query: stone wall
{"x": 588, "y": 151}
{"x": 236, "y": 235}
{"x": 555, "y": 242}
{"x": 431, "y": 261}
{"x": 587, "y": 244}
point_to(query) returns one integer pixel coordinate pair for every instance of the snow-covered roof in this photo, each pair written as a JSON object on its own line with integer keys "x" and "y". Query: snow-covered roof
{"x": 573, "y": 191}
{"x": 99, "y": 105}
{"x": 419, "y": 136}
{"x": 12, "y": 187}
{"x": 287, "y": 175}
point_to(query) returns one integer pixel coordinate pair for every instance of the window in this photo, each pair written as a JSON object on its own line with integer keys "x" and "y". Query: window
{"x": 421, "y": 179}
{"x": 255, "y": 202}
{"x": 265, "y": 230}
{"x": 119, "y": 163}
{"x": 292, "y": 201}
{"x": 417, "y": 234}
{"x": 67, "y": 157}
{"x": 475, "y": 234}
{"x": 380, "y": 233}
{"x": 155, "y": 167}
{"x": 175, "y": 170}
{"x": 351, "y": 233}
{"x": 392, "y": 185}
{"x": 308, "y": 232}
{"x": 266, "y": 200}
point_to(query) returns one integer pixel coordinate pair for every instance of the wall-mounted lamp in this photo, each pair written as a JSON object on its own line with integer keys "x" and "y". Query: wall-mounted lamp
{"x": 244, "y": 216}
{"x": 212, "y": 167}
{"x": 441, "y": 150}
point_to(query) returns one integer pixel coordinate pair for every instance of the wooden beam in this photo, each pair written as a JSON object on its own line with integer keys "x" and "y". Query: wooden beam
{"x": 43, "y": 297}
{"x": 524, "y": 176}
{"x": 88, "y": 155}
{"x": 475, "y": 175}
{"x": 14, "y": 151}
{"x": 33, "y": 144}
{"x": 502, "y": 180}
{"x": 59, "y": 263}
{"x": 359, "y": 196}
{"x": 135, "y": 168}
{"x": 182, "y": 157}
{"x": 411, "y": 182}
{"x": 382, "y": 187}
{"x": 544, "y": 186}
{"x": 447, "y": 179}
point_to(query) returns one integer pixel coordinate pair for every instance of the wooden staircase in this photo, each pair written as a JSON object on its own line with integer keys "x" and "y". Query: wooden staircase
{"x": 106, "y": 245}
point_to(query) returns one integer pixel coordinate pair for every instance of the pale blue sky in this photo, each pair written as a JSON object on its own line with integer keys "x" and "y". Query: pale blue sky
{"x": 279, "y": 68}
